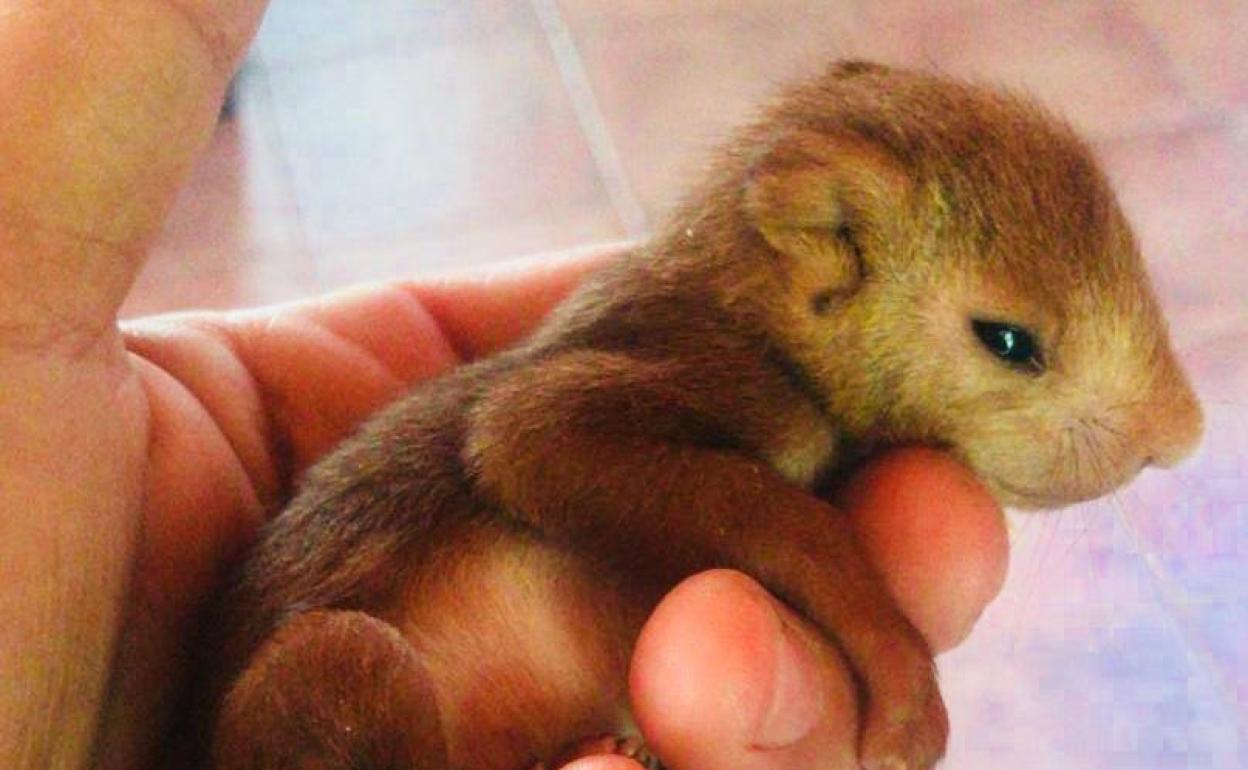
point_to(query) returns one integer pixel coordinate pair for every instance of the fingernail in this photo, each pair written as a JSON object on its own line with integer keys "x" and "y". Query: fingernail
{"x": 796, "y": 699}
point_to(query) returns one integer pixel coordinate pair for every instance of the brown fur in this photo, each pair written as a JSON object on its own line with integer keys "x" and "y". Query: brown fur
{"x": 467, "y": 575}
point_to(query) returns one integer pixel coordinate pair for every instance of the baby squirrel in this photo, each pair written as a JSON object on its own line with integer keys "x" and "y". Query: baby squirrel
{"x": 884, "y": 257}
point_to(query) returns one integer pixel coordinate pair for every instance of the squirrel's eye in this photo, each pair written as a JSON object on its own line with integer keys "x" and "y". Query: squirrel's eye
{"x": 1010, "y": 343}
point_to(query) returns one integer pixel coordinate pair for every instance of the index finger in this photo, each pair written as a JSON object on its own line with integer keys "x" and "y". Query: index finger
{"x": 486, "y": 312}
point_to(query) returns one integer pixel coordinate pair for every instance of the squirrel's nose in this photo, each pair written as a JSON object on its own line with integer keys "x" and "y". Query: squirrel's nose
{"x": 1174, "y": 426}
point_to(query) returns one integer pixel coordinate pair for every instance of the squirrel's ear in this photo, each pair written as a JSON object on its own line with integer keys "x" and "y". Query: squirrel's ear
{"x": 823, "y": 198}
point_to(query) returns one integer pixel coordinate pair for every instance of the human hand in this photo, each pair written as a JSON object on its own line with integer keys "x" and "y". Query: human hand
{"x": 726, "y": 676}
{"x": 136, "y": 461}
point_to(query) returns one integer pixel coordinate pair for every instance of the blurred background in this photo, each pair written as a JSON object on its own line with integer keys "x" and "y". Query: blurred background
{"x": 371, "y": 139}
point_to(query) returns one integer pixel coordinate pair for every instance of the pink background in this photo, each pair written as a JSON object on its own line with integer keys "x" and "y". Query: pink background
{"x": 385, "y": 138}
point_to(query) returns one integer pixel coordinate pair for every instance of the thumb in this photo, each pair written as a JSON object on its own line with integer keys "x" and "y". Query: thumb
{"x": 725, "y": 677}
{"x": 105, "y": 106}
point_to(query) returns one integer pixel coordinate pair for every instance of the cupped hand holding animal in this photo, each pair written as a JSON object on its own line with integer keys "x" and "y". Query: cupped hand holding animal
{"x": 138, "y": 459}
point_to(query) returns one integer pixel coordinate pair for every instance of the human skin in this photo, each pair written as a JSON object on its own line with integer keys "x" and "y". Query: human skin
{"x": 138, "y": 460}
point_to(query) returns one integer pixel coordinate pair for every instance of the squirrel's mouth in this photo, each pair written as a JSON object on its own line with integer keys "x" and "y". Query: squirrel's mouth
{"x": 1021, "y": 497}
{"x": 1048, "y": 482}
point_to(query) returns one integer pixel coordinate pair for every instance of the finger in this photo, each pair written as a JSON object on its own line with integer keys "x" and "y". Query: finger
{"x": 486, "y": 312}
{"x": 724, "y": 677}
{"x": 935, "y": 534}
{"x": 286, "y": 383}
{"x": 105, "y": 105}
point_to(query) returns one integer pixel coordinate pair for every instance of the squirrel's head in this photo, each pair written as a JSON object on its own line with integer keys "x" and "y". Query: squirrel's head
{"x": 952, "y": 268}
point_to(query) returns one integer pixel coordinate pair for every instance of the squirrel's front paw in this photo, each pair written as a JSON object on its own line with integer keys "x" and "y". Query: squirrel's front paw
{"x": 905, "y": 725}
